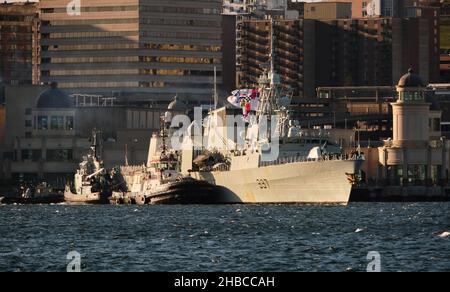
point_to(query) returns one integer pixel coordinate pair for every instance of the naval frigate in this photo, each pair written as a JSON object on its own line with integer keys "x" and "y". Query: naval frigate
{"x": 309, "y": 169}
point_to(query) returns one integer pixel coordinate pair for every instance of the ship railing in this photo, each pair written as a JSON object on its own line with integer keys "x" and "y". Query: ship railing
{"x": 220, "y": 168}
{"x": 131, "y": 169}
{"x": 223, "y": 167}
{"x": 298, "y": 159}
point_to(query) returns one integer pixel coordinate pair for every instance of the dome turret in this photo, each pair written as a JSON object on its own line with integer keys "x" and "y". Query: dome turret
{"x": 410, "y": 80}
{"x": 54, "y": 98}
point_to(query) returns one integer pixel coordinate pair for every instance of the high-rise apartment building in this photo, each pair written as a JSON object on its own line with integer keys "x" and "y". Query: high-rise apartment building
{"x": 19, "y": 52}
{"x": 250, "y": 6}
{"x": 255, "y": 45}
{"x": 238, "y": 6}
{"x": 445, "y": 25}
{"x": 375, "y": 52}
{"x": 340, "y": 52}
{"x": 135, "y": 50}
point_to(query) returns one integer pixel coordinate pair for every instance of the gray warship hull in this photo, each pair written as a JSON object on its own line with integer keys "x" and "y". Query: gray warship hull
{"x": 317, "y": 182}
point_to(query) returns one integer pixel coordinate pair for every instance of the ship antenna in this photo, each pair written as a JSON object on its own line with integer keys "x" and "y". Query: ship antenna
{"x": 272, "y": 47}
{"x": 216, "y": 97}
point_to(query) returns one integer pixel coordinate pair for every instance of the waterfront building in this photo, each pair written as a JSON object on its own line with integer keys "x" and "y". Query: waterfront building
{"x": 47, "y": 132}
{"x": 417, "y": 155}
{"x": 140, "y": 51}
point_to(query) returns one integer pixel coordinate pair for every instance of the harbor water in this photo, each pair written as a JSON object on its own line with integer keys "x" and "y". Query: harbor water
{"x": 226, "y": 238}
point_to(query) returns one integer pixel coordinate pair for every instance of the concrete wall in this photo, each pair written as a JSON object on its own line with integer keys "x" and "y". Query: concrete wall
{"x": 371, "y": 165}
{"x": 375, "y": 8}
{"x": 328, "y": 10}
{"x": 411, "y": 122}
{"x": 309, "y": 64}
{"x": 229, "y": 52}
{"x": 105, "y": 119}
{"x": 18, "y": 100}
{"x": 112, "y": 119}
{"x": 131, "y": 143}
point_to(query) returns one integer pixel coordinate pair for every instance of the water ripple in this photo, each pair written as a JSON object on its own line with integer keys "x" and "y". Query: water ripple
{"x": 409, "y": 237}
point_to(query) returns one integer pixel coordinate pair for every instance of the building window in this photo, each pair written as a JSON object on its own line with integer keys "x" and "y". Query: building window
{"x": 69, "y": 123}
{"x": 28, "y": 135}
{"x": 42, "y": 122}
{"x": 410, "y": 96}
{"x": 395, "y": 175}
{"x": 28, "y": 111}
{"x": 57, "y": 123}
{"x": 8, "y": 155}
{"x": 31, "y": 155}
{"x": 28, "y": 123}
{"x": 59, "y": 155}
{"x": 435, "y": 125}
{"x": 417, "y": 174}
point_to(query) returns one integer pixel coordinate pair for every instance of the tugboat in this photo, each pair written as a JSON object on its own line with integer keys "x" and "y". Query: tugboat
{"x": 186, "y": 190}
{"x": 160, "y": 180}
{"x": 42, "y": 193}
{"x": 91, "y": 182}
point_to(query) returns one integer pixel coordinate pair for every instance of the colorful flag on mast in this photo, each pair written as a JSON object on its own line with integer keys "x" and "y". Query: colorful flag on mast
{"x": 247, "y": 99}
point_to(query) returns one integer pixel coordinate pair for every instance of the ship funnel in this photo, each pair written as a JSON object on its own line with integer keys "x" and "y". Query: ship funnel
{"x": 153, "y": 148}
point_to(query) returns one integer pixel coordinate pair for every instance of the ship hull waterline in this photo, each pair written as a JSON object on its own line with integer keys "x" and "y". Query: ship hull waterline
{"x": 318, "y": 182}
{"x": 88, "y": 198}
